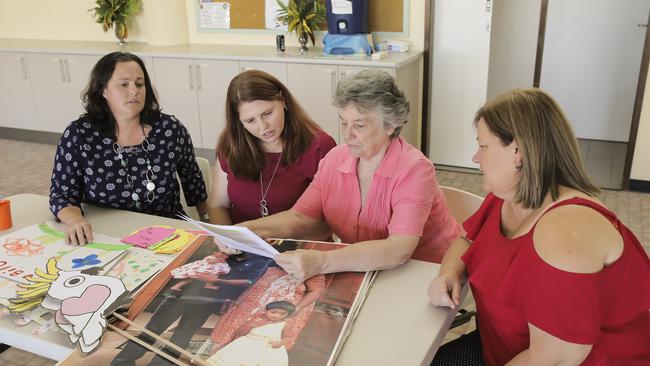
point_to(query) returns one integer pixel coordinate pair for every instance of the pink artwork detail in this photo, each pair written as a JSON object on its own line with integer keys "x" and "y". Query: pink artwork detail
{"x": 149, "y": 236}
{"x": 91, "y": 300}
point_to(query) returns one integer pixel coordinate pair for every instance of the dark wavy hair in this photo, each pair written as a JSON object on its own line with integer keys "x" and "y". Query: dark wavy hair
{"x": 97, "y": 111}
{"x": 239, "y": 147}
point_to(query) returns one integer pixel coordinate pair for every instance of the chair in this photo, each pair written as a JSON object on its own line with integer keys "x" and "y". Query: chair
{"x": 204, "y": 165}
{"x": 462, "y": 205}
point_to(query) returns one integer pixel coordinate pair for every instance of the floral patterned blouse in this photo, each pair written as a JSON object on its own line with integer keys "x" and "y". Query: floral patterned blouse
{"x": 88, "y": 168}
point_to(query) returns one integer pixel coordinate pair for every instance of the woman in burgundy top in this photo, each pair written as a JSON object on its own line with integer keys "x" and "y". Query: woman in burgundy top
{"x": 268, "y": 153}
{"x": 557, "y": 278}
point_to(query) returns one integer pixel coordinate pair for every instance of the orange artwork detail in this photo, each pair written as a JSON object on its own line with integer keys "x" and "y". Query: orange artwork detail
{"x": 22, "y": 247}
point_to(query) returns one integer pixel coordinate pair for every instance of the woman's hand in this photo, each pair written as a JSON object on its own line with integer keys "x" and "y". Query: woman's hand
{"x": 444, "y": 290}
{"x": 79, "y": 232}
{"x": 302, "y": 264}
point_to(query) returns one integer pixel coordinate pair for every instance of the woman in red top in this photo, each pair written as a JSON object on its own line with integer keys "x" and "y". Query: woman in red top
{"x": 268, "y": 152}
{"x": 557, "y": 278}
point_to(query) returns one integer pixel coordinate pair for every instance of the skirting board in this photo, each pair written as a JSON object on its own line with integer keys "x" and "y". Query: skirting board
{"x": 640, "y": 185}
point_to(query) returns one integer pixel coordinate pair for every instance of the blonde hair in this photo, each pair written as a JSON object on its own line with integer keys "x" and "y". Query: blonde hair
{"x": 549, "y": 149}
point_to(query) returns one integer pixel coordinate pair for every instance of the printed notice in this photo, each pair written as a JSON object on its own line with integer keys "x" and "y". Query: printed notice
{"x": 215, "y": 15}
{"x": 271, "y": 14}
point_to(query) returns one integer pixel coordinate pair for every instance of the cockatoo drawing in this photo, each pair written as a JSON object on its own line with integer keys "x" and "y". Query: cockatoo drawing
{"x": 80, "y": 301}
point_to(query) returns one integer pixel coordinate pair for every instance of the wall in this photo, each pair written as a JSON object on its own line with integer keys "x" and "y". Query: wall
{"x": 58, "y": 20}
{"x": 640, "y": 164}
{"x": 70, "y": 20}
{"x": 261, "y": 37}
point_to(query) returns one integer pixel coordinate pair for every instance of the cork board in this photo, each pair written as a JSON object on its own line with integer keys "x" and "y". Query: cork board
{"x": 383, "y": 15}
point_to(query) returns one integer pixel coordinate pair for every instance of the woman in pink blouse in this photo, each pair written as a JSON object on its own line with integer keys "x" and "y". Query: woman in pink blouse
{"x": 376, "y": 191}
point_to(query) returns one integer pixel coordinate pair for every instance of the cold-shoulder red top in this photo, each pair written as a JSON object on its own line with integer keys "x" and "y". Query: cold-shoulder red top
{"x": 513, "y": 286}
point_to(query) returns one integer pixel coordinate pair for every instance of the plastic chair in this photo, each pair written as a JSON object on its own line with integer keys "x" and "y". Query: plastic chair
{"x": 462, "y": 205}
{"x": 204, "y": 165}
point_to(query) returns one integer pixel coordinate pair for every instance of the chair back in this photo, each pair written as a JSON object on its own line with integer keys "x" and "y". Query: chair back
{"x": 204, "y": 166}
{"x": 462, "y": 204}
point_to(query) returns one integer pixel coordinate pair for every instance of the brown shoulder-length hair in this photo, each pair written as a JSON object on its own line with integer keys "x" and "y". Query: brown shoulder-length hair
{"x": 549, "y": 149}
{"x": 245, "y": 157}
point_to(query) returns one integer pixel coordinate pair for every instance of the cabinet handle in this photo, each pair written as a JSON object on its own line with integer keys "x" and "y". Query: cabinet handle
{"x": 199, "y": 84}
{"x": 61, "y": 70}
{"x": 23, "y": 66}
{"x": 333, "y": 82}
{"x": 67, "y": 69}
{"x": 191, "y": 75}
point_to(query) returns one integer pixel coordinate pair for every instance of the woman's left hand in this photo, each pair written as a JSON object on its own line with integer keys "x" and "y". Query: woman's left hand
{"x": 302, "y": 264}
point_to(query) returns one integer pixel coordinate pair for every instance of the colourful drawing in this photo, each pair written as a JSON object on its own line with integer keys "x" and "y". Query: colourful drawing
{"x": 137, "y": 266}
{"x": 89, "y": 260}
{"x": 22, "y": 247}
{"x": 28, "y": 248}
{"x": 78, "y": 299}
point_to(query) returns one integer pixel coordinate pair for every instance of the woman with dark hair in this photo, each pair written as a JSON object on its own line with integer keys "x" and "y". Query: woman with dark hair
{"x": 268, "y": 153}
{"x": 557, "y": 278}
{"x": 123, "y": 152}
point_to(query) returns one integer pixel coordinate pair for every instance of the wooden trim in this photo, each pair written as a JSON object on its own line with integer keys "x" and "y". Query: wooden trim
{"x": 638, "y": 103}
{"x": 540, "y": 43}
{"x": 429, "y": 7}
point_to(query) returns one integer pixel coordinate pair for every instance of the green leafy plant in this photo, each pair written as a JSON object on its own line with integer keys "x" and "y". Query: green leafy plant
{"x": 115, "y": 13}
{"x": 302, "y": 16}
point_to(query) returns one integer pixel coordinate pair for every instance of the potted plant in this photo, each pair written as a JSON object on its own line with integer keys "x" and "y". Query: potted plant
{"x": 303, "y": 18}
{"x": 115, "y": 13}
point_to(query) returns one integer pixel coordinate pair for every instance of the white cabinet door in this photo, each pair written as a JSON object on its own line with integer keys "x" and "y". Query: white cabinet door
{"x": 213, "y": 78}
{"x": 77, "y": 70}
{"x": 176, "y": 84}
{"x": 50, "y": 91}
{"x": 277, "y": 69}
{"x": 17, "y": 107}
{"x": 58, "y": 81}
{"x": 314, "y": 86}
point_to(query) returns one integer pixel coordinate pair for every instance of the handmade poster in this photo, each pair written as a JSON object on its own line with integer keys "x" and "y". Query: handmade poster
{"x": 137, "y": 266}
{"x": 24, "y": 250}
{"x": 80, "y": 301}
{"x": 246, "y": 311}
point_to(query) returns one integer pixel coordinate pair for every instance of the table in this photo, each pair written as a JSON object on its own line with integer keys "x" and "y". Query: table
{"x": 396, "y": 325}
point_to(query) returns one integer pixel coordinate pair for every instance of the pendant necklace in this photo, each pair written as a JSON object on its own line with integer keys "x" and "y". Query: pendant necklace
{"x": 263, "y": 209}
{"x": 148, "y": 183}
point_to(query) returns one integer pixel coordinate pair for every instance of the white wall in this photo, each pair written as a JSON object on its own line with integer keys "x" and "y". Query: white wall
{"x": 513, "y": 45}
{"x": 57, "y": 20}
{"x": 640, "y": 164}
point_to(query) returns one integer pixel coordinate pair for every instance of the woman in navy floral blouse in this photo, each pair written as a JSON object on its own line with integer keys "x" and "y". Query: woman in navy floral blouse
{"x": 123, "y": 152}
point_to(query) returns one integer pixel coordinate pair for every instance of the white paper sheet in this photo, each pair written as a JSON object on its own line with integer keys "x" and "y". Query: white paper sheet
{"x": 341, "y": 7}
{"x": 236, "y": 237}
{"x": 271, "y": 8}
{"x": 215, "y": 15}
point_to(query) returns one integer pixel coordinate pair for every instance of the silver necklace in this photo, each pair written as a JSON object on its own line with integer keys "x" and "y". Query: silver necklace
{"x": 149, "y": 196}
{"x": 263, "y": 209}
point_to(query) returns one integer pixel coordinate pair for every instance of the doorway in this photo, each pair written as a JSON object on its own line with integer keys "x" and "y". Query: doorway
{"x": 591, "y": 53}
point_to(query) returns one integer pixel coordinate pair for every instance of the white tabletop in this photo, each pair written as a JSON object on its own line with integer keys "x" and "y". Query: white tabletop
{"x": 396, "y": 325}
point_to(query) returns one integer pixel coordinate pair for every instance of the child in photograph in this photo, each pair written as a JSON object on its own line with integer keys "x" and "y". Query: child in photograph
{"x": 259, "y": 341}
{"x": 213, "y": 264}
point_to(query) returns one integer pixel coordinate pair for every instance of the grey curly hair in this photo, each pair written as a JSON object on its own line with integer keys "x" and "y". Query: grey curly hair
{"x": 374, "y": 91}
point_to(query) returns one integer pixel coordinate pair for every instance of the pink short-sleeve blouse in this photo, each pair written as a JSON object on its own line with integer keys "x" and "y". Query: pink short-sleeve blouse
{"x": 404, "y": 199}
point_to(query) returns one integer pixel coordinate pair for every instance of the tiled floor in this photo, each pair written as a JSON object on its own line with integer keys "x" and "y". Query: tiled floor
{"x": 604, "y": 161}
{"x": 26, "y": 168}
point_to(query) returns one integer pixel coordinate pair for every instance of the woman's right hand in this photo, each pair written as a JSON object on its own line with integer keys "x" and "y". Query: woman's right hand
{"x": 79, "y": 232}
{"x": 444, "y": 290}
